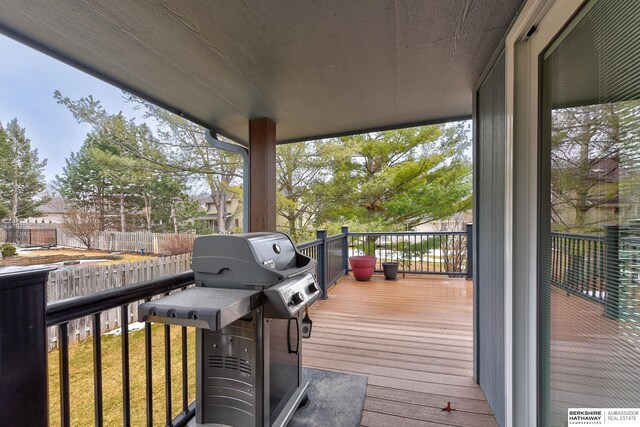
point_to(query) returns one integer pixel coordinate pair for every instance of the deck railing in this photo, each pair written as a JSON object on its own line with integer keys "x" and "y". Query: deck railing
{"x": 579, "y": 264}
{"x": 331, "y": 252}
{"x": 603, "y": 268}
{"x": 25, "y": 317}
{"x": 60, "y": 313}
{"x": 327, "y": 250}
{"x": 439, "y": 252}
{"x": 591, "y": 266}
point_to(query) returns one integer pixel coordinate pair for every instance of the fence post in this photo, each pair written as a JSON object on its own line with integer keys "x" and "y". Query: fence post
{"x": 612, "y": 271}
{"x": 345, "y": 250}
{"x": 23, "y": 348}
{"x": 469, "y": 251}
{"x": 322, "y": 262}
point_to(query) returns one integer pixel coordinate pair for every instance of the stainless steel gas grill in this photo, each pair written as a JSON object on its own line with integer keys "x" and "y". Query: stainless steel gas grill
{"x": 247, "y": 305}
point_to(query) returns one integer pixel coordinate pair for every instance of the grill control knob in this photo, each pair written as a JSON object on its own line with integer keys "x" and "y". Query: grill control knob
{"x": 297, "y": 298}
{"x": 313, "y": 288}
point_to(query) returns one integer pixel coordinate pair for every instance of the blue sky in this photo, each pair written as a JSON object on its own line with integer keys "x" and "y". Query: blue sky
{"x": 28, "y": 79}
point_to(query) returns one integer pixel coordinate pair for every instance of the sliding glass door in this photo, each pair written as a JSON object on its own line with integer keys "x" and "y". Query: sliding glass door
{"x": 590, "y": 213}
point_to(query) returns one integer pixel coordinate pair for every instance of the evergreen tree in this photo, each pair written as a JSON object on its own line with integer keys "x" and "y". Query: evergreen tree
{"x": 125, "y": 191}
{"x": 83, "y": 184}
{"x": 4, "y": 166}
{"x": 181, "y": 152}
{"x": 21, "y": 173}
{"x": 396, "y": 180}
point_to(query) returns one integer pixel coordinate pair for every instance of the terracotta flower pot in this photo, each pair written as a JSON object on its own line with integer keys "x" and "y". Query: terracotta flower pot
{"x": 362, "y": 267}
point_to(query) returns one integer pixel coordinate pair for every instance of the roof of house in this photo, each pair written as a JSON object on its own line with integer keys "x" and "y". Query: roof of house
{"x": 55, "y": 205}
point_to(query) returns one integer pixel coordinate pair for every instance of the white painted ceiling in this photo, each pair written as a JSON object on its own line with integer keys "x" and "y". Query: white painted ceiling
{"x": 317, "y": 68}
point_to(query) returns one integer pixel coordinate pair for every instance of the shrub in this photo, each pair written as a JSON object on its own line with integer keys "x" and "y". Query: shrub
{"x": 177, "y": 244}
{"x": 7, "y": 250}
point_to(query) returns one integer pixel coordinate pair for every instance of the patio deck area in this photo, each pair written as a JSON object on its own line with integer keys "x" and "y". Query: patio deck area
{"x": 413, "y": 339}
{"x": 595, "y": 361}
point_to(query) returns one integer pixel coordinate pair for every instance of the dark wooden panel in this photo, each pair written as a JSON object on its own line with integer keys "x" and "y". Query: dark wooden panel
{"x": 23, "y": 349}
{"x": 489, "y": 221}
{"x": 262, "y": 164}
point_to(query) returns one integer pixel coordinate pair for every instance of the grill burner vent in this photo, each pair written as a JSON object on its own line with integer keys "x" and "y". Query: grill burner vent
{"x": 230, "y": 362}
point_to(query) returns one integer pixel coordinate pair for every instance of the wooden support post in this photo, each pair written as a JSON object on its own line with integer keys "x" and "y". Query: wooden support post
{"x": 345, "y": 249}
{"x": 323, "y": 262}
{"x": 23, "y": 348}
{"x": 469, "y": 251}
{"x": 262, "y": 183}
{"x": 614, "y": 285}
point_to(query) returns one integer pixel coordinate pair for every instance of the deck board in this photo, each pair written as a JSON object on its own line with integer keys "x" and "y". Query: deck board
{"x": 593, "y": 361}
{"x": 413, "y": 339}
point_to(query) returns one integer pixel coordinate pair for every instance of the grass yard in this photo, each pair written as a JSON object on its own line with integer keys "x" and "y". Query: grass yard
{"x": 48, "y": 256}
{"x": 81, "y": 378}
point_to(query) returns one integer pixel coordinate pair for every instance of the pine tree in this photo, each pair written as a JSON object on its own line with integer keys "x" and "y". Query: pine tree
{"x": 181, "y": 152}
{"x": 21, "y": 173}
{"x": 125, "y": 190}
{"x": 4, "y": 166}
{"x": 396, "y": 180}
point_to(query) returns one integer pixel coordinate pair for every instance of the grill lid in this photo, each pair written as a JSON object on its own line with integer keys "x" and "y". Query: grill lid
{"x": 247, "y": 260}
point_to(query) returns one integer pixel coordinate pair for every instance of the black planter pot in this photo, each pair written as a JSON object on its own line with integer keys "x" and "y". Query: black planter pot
{"x": 390, "y": 270}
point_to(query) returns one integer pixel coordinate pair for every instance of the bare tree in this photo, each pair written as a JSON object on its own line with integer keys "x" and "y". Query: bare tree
{"x": 453, "y": 249}
{"x": 299, "y": 168}
{"x": 82, "y": 224}
{"x": 585, "y": 144}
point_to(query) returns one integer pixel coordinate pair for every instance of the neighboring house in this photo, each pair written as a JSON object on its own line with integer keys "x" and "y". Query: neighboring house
{"x": 234, "y": 211}
{"x": 51, "y": 212}
{"x": 455, "y": 222}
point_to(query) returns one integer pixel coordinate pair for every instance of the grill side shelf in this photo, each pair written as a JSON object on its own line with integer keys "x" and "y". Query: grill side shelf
{"x": 206, "y": 308}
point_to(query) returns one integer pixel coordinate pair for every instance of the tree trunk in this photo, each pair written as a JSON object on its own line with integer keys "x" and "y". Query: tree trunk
{"x": 101, "y": 208}
{"x": 173, "y": 216}
{"x": 293, "y": 229}
{"x": 221, "y": 215}
{"x": 123, "y": 219}
{"x": 219, "y": 199}
{"x": 14, "y": 201}
{"x": 147, "y": 210}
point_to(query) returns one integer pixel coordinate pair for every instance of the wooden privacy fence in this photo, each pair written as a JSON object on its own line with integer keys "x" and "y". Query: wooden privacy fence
{"x": 113, "y": 241}
{"x": 73, "y": 282}
{"x": 28, "y": 235}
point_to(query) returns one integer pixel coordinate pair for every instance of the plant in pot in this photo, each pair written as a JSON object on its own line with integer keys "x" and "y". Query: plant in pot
{"x": 362, "y": 267}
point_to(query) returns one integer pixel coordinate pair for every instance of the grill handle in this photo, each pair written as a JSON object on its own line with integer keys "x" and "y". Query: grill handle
{"x": 291, "y": 351}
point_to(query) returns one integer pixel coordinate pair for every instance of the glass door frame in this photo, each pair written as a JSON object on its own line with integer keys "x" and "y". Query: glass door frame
{"x": 537, "y": 25}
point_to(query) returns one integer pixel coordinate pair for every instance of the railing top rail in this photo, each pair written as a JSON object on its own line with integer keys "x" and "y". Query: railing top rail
{"x": 308, "y": 244}
{"x": 76, "y": 307}
{"x": 407, "y": 233}
{"x": 335, "y": 237}
{"x": 594, "y": 237}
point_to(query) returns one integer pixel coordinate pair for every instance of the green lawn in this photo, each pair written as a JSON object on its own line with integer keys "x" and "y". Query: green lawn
{"x": 81, "y": 378}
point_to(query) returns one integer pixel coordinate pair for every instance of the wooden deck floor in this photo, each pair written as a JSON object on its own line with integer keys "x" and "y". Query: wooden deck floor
{"x": 413, "y": 339}
{"x": 595, "y": 361}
